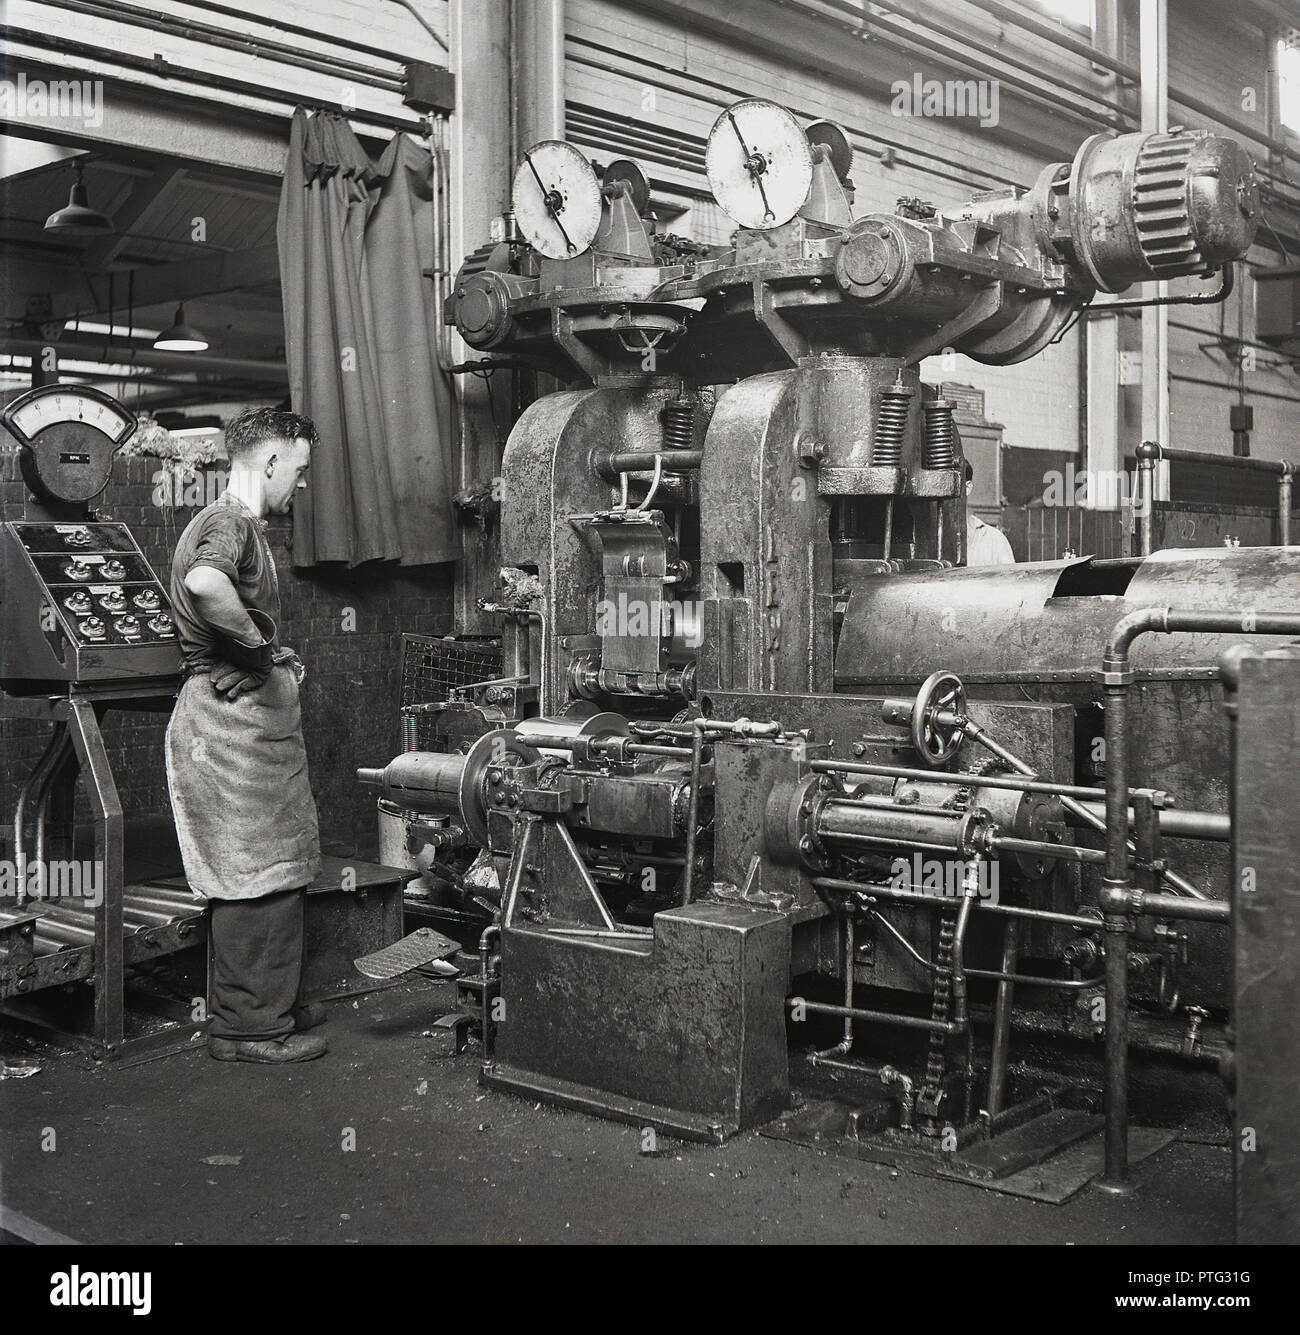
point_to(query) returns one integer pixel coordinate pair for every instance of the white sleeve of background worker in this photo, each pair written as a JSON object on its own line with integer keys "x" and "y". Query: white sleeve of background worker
{"x": 986, "y": 545}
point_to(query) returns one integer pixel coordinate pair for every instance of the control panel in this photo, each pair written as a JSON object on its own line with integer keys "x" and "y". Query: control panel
{"x": 82, "y": 604}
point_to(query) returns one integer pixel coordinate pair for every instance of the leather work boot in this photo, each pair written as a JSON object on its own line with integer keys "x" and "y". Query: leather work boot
{"x": 308, "y": 1015}
{"x": 293, "y": 1048}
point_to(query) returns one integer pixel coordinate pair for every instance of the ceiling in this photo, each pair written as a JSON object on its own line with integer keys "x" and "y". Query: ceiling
{"x": 189, "y": 233}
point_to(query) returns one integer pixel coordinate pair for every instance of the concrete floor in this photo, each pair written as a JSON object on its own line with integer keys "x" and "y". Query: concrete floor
{"x": 188, "y": 1150}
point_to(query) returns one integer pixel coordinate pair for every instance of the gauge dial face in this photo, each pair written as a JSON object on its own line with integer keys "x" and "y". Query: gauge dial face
{"x": 759, "y": 164}
{"x": 52, "y": 405}
{"x": 556, "y": 200}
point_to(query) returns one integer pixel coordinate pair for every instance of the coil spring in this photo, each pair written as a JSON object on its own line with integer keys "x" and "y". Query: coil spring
{"x": 679, "y": 424}
{"x": 939, "y": 449}
{"x": 891, "y": 426}
{"x": 410, "y": 732}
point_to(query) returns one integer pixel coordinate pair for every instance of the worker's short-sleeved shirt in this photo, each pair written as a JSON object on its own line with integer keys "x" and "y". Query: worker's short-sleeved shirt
{"x": 227, "y": 536}
{"x": 986, "y": 545}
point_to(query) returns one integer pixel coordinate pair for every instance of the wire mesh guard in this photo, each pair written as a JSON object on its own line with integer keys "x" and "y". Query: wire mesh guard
{"x": 435, "y": 666}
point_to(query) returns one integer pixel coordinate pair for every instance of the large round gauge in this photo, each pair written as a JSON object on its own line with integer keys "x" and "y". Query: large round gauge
{"x": 556, "y": 200}
{"x": 759, "y": 164}
{"x": 69, "y": 435}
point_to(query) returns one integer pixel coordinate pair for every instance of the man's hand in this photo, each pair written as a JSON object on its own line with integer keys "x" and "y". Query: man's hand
{"x": 232, "y": 681}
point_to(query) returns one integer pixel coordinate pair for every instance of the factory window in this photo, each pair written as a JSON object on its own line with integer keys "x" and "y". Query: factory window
{"x": 1288, "y": 81}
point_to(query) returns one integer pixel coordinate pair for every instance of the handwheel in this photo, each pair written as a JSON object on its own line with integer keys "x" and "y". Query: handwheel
{"x": 938, "y": 741}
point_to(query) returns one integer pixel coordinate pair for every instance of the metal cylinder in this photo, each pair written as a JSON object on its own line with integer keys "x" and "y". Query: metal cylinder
{"x": 421, "y": 781}
{"x": 893, "y": 826}
{"x": 1134, "y": 207}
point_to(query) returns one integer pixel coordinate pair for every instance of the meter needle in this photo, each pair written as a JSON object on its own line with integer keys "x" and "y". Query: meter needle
{"x": 553, "y": 201}
{"x": 755, "y": 164}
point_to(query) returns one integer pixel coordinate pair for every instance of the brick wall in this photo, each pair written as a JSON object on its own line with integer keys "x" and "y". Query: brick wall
{"x": 346, "y": 625}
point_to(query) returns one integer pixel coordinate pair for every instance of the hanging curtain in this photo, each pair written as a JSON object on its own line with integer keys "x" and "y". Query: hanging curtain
{"x": 355, "y": 237}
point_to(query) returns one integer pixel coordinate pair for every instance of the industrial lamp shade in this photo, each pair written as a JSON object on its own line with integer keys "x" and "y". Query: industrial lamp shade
{"x": 180, "y": 337}
{"x": 78, "y": 218}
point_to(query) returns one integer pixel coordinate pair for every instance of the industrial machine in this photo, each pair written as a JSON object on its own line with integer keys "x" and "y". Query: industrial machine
{"x": 765, "y": 754}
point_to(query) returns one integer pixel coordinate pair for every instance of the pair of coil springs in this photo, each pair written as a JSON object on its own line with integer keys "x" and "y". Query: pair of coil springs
{"x": 939, "y": 444}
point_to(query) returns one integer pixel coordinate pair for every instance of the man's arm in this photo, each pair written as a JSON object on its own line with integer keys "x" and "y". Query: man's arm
{"x": 218, "y": 602}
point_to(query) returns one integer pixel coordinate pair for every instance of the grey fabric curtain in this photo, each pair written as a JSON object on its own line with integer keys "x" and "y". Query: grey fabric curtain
{"x": 355, "y": 237}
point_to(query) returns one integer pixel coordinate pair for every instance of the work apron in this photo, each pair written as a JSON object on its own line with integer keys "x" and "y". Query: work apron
{"x": 237, "y": 773}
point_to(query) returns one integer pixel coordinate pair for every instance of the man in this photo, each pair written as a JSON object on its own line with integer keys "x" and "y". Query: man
{"x": 236, "y": 763}
{"x": 985, "y": 545}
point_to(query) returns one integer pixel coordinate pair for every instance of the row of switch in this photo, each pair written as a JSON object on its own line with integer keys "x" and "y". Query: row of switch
{"x": 128, "y": 627}
{"x": 80, "y": 603}
{"x": 87, "y": 570}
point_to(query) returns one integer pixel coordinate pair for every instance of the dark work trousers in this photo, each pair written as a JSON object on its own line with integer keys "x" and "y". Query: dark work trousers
{"x": 257, "y": 947}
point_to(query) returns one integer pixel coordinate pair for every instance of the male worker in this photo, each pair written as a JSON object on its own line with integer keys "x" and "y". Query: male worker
{"x": 236, "y": 763}
{"x": 985, "y": 545}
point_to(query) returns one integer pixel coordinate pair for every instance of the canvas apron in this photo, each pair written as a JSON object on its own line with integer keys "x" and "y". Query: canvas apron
{"x": 237, "y": 774}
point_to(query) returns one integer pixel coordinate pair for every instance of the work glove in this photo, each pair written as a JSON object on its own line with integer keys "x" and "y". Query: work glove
{"x": 244, "y": 666}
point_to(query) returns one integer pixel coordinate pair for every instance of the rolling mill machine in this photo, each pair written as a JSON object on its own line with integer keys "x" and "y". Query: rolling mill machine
{"x": 767, "y": 756}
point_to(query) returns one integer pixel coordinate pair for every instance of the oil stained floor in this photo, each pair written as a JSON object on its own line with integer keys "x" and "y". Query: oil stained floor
{"x": 381, "y": 1142}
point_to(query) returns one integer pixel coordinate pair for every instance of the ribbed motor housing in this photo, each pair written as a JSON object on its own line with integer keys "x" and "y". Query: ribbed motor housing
{"x": 1135, "y": 207}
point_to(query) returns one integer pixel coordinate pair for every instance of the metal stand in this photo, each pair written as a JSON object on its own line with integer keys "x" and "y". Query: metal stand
{"x": 76, "y": 718}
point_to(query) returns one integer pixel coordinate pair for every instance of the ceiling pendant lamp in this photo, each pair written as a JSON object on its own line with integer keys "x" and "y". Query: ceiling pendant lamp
{"x": 78, "y": 218}
{"x": 180, "y": 337}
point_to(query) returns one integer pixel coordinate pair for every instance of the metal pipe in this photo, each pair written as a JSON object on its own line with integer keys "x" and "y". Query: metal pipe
{"x": 1026, "y": 65}
{"x": 485, "y": 960}
{"x": 698, "y": 726}
{"x": 1118, "y": 898}
{"x": 1052, "y": 33}
{"x": 594, "y": 933}
{"x": 538, "y": 67}
{"x": 1174, "y": 906}
{"x": 267, "y": 373}
{"x": 295, "y": 30}
{"x": 209, "y": 34}
{"x": 955, "y": 779}
{"x": 1002, "y": 1004}
{"x": 422, "y": 21}
{"x": 1003, "y": 843}
{"x": 880, "y": 1017}
{"x": 840, "y": 885}
{"x": 44, "y": 790}
{"x": 62, "y": 932}
{"x": 53, "y": 749}
{"x": 960, "y": 59}
{"x": 1215, "y": 826}
{"x": 845, "y": 1045}
{"x": 610, "y": 465}
{"x": 65, "y": 48}
{"x": 1284, "y": 504}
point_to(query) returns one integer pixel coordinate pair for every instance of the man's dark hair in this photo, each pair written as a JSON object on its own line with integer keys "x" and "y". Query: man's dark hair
{"x": 970, "y": 472}
{"x": 255, "y": 426}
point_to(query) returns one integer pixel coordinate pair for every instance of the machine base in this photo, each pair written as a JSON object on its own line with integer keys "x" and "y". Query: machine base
{"x": 684, "y": 1029}
{"x": 1048, "y": 1157}
{"x": 601, "y": 1103}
